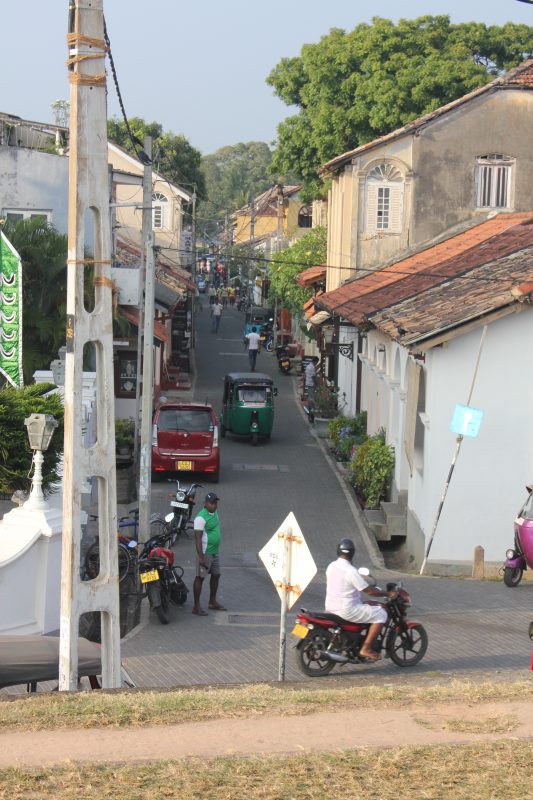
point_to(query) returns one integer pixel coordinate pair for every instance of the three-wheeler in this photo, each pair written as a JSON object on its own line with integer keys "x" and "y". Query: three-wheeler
{"x": 248, "y": 405}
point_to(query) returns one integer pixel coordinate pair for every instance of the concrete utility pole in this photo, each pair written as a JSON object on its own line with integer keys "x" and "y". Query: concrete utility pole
{"x": 88, "y": 190}
{"x": 146, "y": 230}
{"x": 193, "y": 267}
{"x": 145, "y": 465}
{"x": 279, "y": 241}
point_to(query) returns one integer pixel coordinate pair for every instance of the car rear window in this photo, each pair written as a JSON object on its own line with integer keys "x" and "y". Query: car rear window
{"x": 191, "y": 420}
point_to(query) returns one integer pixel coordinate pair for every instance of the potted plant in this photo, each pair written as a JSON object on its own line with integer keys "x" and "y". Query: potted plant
{"x": 370, "y": 470}
{"x": 325, "y": 408}
{"x": 124, "y": 433}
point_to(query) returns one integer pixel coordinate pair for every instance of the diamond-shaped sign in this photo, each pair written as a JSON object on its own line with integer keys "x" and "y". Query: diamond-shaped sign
{"x": 288, "y": 560}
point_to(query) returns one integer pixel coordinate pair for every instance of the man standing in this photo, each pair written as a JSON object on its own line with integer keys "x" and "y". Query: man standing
{"x": 342, "y": 597}
{"x": 207, "y": 541}
{"x": 253, "y": 342}
{"x": 311, "y": 379}
{"x": 216, "y": 313}
{"x": 211, "y": 293}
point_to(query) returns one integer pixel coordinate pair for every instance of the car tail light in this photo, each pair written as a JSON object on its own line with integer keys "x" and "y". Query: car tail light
{"x": 215, "y": 436}
{"x": 154, "y": 436}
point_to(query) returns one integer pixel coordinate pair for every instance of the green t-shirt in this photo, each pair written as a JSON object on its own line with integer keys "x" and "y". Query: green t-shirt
{"x": 212, "y": 531}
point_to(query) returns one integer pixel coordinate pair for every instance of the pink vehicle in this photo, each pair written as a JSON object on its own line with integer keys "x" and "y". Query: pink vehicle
{"x": 520, "y": 557}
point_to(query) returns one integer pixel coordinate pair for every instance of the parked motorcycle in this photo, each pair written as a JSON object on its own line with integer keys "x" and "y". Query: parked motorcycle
{"x": 284, "y": 359}
{"x": 520, "y": 557}
{"x": 161, "y": 580}
{"x": 267, "y": 335}
{"x": 326, "y": 639}
{"x": 182, "y": 508}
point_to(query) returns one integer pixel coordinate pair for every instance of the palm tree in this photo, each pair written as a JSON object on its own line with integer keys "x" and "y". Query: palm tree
{"x": 43, "y": 251}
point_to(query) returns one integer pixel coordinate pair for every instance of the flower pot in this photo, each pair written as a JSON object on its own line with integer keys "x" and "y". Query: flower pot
{"x": 321, "y": 426}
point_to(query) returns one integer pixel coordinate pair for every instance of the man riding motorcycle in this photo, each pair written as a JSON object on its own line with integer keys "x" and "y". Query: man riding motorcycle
{"x": 343, "y": 588}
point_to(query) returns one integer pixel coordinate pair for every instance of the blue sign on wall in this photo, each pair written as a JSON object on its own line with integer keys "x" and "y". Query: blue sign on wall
{"x": 466, "y": 421}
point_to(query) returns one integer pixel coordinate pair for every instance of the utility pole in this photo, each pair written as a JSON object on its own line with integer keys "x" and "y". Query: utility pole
{"x": 146, "y": 230}
{"x": 145, "y": 461}
{"x": 279, "y": 239}
{"x": 193, "y": 266}
{"x": 252, "y": 237}
{"x": 83, "y": 464}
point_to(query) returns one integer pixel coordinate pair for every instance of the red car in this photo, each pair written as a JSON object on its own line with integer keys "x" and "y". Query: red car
{"x": 185, "y": 439}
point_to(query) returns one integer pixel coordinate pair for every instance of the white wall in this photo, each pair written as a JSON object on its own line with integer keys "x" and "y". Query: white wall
{"x": 487, "y": 487}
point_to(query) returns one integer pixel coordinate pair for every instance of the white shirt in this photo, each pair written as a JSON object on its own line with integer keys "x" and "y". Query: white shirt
{"x": 253, "y": 340}
{"x": 343, "y": 586}
{"x": 216, "y": 310}
{"x": 310, "y": 373}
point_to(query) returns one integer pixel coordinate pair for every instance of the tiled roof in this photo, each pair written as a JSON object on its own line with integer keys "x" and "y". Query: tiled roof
{"x": 497, "y": 237}
{"x": 132, "y": 315}
{"x": 483, "y": 290}
{"x": 265, "y": 204}
{"x": 520, "y": 77}
{"x": 167, "y": 273}
{"x": 312, "y": 275}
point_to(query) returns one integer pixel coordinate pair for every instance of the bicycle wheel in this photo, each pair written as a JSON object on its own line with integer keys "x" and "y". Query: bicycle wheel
{"x": 158, "y": 527}
{"x": 92, "y": 562}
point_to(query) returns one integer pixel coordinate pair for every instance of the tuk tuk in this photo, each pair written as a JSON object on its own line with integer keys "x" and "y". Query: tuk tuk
{"x": 248, "y": 405}
{"x": 256, "y": 317}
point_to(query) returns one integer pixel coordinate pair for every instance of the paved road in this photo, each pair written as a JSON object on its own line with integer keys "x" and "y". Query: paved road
{"x": 473, "y": 626}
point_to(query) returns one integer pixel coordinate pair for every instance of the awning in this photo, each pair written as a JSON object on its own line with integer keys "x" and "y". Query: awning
{"x": 319, "y": 318}
{"x": 312, "y": 275}
{"x": 132, "y": 315}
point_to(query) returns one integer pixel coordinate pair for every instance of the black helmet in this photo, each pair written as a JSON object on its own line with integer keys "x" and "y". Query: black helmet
{"x": 346, "y": 547}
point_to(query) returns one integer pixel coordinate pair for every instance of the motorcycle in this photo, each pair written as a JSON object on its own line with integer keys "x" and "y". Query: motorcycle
{"x": 182, "y": 508}
{"x": 267, "y": 335}
{"x": 284, "y": 359}
{"x": 520, "y": 557}
{"x": 326, "y": 639}
{"x": 161, "y": 580}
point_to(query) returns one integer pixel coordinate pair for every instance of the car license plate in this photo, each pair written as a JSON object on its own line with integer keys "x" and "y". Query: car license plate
{"x": 148, "y": 577}
{"x": 175, "y": 504}
{"x": 184, "y": 465}
{"x": 300, "y": 631}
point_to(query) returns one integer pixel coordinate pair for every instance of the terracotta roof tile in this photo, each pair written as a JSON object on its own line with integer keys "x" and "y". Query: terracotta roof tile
{"x": 312, "y": 275}
{"x": 520, "y": 77}
{"x": 488, "y": 288}
{"x": 499, "y": 236}
{"x": 132, "y": 315}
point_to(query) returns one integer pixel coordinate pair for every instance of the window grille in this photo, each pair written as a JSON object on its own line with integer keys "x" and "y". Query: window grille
{"x": 159, "y": 211}
{"x": 493, "y": 181}
{"x": 384, "y": 199}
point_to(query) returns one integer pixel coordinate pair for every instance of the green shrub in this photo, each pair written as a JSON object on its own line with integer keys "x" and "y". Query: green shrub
{"x": 15, "y": 453}
{"x": 326, "y": 402}
{"x": 124, "y": 432}
{"x": 345, "y": 433}
{"x": 371, "y": 469}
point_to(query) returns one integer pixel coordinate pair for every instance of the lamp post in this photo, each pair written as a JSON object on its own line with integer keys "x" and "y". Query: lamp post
{"x": 40, "y": 431}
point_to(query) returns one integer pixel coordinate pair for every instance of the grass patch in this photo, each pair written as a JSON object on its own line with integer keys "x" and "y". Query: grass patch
{"x": 504, "y": 724}
{"x": 481, "y": 771}
{"x": 135, "y": 708}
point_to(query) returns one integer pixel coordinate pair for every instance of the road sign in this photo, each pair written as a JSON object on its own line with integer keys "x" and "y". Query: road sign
{"x": 466, "y": 421}
{"x": 288, "y": 560}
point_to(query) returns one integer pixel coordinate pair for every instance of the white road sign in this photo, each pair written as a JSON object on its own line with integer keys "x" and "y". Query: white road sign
{"x": 288, "y": 560}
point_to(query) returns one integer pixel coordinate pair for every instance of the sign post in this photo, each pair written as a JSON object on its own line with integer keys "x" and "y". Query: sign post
{"x": 291, "y": 566}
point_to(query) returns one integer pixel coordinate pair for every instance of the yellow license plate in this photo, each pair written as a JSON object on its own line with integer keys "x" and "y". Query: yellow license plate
{"x": 300, "y": 631}
{"x": 184, "y": 465}
{"x": 148, "y": 577}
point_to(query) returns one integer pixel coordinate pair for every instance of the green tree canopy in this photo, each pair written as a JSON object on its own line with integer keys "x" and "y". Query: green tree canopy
{"x": 353, "y": 87}
{"x": 231, "y": 173}
{"x": 15, "y": 454}
{"x": 43, "y": 252}
{"x": 173, "y": 156}
{"x": 306, "y": 252}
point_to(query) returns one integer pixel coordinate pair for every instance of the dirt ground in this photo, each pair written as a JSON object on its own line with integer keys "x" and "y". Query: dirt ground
{"x": 409, "y": 725}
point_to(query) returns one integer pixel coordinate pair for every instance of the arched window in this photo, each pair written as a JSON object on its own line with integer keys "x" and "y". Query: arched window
{"x": 384, "y": 199}
{"x": 305, "y": 217}
{"x": 493, "y": 177}
{"x": 159, "y": 211}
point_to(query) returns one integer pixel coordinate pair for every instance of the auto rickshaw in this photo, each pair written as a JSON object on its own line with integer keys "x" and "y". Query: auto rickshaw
{"x": 256, "y": 317}
{"x": 248, "y": 405}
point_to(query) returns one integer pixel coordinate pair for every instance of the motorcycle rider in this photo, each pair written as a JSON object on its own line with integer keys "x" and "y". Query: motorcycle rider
{"x": 344, "y": 584}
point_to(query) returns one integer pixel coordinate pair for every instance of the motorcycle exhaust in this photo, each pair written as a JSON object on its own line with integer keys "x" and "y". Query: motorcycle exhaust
{"x": 334, "y": 657}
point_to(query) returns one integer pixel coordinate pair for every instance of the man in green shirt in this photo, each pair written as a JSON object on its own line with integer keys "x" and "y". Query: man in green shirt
{"x": 207, "y": 541}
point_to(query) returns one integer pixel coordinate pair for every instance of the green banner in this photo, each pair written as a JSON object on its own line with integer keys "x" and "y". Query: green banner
{"x": 10, "y": 312}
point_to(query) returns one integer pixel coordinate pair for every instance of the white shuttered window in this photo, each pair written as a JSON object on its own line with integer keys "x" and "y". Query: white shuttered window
{"x": 159, "y": 211}
{"x": 494, "y": 172}
{"x": 384, "y": 199}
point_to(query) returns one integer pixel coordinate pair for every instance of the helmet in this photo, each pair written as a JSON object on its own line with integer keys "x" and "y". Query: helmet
{"x": 346, "y": 547}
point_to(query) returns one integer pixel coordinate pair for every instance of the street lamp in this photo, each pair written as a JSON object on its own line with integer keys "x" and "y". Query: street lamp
{"x": 40, "y": 431}
{"x": 344, "y": 348}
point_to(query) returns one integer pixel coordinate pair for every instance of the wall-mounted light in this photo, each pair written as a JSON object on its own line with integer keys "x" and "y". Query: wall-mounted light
{"x": 381, "y": 348}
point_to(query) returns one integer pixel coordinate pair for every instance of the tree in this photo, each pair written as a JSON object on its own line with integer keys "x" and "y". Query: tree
{"x": 306, "y": 252}
{"x": 15, "y": 454}
{"x": 354, "y": 87}
{"x": 231, "y": 173}
{"x": 43, "y": 252}
{"x": 173, "y": 156}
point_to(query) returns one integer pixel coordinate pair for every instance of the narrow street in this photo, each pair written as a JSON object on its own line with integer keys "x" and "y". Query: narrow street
{"x": 473, "y": 626}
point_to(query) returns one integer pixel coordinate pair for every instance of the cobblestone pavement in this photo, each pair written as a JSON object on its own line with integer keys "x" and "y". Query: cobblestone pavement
{"x": 473, "y": 626}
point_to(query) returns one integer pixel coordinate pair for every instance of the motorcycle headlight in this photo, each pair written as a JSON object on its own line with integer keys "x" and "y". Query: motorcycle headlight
{"x": 180, "y": 497}
{"x": 510, "y": 553}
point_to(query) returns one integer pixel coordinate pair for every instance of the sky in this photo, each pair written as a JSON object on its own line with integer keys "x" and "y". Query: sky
{"x": 197, "y": 67}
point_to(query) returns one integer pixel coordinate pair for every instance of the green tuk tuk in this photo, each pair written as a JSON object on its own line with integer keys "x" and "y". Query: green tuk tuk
{"x": 248, "y": 405}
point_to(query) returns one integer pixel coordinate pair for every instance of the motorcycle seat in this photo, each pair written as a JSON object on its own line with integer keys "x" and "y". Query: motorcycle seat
{"x": 325, "y": 615}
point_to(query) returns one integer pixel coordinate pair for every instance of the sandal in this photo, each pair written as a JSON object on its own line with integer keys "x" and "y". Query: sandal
{"x": 217, "y": 607}
{"x": 370, "y": 656}
{"x": 200, "y": 612}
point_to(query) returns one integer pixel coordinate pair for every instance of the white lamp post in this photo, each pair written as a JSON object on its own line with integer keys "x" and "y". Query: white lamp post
{"x": 40, "y": 431}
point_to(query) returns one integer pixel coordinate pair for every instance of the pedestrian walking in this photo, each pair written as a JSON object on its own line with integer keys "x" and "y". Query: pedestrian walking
{"x": 207, "y": 541}
{"x": 211, "y": 293}
{"x": 253, "y": 343}
{"x": 224, "y": 296}
{"x": 311, "y": 380}
{"x": 216, "y": 313}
